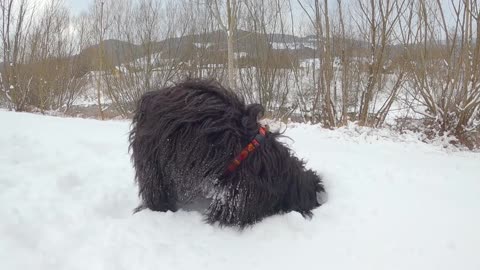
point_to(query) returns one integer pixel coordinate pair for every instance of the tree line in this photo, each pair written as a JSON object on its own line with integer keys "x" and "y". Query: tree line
{"x": 409, "y": 64}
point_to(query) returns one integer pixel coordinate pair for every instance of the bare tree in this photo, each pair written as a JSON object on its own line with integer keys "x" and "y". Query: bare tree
{"x": 101, "y": 29}
{"x": 231, "y": 11}
{"x": 445, "y": 67}
{"x": 148, "y": 52}
{"x": 325, "y": 102}
{"x": 39, "y": 70}
{"x": 379, "y": 21}
{"x": 16, "y": 21}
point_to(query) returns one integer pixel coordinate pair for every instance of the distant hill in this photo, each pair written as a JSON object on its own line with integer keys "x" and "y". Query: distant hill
{"x": 115, "y": 52}
{"x": 213, "y": 44}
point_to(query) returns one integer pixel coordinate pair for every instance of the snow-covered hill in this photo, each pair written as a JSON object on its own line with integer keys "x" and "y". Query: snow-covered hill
{"x": 67, "y": 194}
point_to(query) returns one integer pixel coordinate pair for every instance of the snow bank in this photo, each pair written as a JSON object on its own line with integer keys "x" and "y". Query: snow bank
{"x": 67, "y": 194}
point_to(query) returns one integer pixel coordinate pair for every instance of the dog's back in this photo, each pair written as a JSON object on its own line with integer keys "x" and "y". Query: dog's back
{"x": 182, "y": 137}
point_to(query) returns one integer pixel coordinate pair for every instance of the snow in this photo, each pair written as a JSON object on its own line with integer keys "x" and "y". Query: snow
{"x": 89, "y": 96}
{"x": 310, "y": 62}
{"x": 203, "y": 45}
{"x": 67, "y": 194}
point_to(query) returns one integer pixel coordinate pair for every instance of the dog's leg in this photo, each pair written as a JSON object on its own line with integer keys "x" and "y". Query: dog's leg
{"x": 224, "y": 206}
{"x": 240, "y": 205}
{"x": 156, "y": 194}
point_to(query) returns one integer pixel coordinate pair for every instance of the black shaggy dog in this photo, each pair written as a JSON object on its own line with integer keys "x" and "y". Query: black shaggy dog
{"x": 184, "y": 142}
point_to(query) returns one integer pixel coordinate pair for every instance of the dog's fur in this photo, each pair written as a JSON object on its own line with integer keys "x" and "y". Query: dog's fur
{"x": 184, "y": 137}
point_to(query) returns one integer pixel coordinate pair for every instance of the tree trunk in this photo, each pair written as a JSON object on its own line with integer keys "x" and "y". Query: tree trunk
{"x": 230, "y": 40}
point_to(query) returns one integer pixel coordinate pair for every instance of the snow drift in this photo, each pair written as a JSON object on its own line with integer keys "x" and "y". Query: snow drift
{"x": 67, "y": 194}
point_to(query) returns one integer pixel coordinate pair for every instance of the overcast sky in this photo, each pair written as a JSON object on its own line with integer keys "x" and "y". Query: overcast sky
{"x": 77, "y": 6}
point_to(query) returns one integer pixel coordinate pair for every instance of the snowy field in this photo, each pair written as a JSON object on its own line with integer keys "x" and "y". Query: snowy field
{"x": 67, "y": 194}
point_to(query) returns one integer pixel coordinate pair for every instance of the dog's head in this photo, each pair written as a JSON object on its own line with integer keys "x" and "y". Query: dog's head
{"x": 302, "y": 188}
{"x": 305, "y": 192}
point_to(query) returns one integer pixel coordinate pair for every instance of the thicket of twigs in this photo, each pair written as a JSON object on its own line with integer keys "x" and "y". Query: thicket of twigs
{"x": 409, "y": 64}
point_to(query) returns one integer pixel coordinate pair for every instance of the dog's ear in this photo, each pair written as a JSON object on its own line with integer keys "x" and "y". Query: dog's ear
{"x": 253, "y": 112}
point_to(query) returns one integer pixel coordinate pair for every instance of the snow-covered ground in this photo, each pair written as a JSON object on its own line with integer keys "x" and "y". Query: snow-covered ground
{"x": 67, "y": 194}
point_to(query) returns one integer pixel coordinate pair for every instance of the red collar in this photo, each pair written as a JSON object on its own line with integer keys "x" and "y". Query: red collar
{"x": 254, "y": 144}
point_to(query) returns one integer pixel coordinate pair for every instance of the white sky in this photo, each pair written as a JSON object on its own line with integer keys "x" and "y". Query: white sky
{"x": 78, "y": 6}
